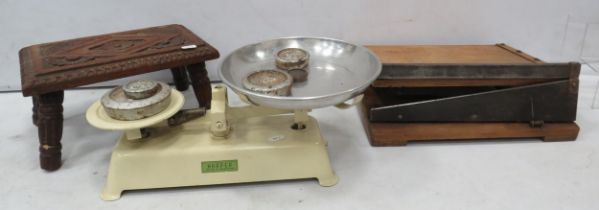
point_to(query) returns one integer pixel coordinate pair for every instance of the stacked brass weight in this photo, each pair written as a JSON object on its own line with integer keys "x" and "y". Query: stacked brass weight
{"x": 294, "y": 61}
{"x": 291, "y": 64}
{"x": 136, "y": 100}
{"x": 269, "y": 82}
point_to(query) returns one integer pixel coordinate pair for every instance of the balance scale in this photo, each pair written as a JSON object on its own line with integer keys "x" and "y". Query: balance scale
{"x": 271, "y": 139}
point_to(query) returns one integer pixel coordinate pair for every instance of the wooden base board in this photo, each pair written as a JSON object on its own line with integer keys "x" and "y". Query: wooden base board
{"x": 397, "y": 134}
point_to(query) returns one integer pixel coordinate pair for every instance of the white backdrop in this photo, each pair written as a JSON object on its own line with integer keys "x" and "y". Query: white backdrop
{"x": 535, "y": 26}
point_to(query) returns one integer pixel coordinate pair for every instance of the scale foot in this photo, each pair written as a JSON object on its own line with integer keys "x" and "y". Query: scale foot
{"x": 108, "y": 195}
{"x": 328, "y": 181}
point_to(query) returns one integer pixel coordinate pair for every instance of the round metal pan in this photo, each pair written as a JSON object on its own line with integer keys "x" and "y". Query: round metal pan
{"x": 338, "y": 71}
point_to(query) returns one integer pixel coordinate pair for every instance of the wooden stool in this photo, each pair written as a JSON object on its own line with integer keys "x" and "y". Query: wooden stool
{"x": 48, "y": 69}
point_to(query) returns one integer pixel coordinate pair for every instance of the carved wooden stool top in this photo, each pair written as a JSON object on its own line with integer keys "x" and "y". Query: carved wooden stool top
{"x": 71, "y": 63}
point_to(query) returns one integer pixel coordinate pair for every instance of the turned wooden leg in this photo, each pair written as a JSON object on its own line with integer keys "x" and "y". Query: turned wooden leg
{"x": 200, "y": 83}
{"x": 180, "y": 78}
{"x": 34, "y": 110}
{"x": 49, "y": 124}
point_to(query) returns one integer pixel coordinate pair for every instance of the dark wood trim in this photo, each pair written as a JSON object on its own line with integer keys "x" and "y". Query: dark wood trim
{"x": 34, "y": 109}
{"x": 200, "y": 83}
{"x": 180, "y": 78}
{"x": 49, "y": 124}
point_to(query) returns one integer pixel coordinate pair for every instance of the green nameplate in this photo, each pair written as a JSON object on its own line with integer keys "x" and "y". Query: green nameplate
{"x": 219, "y": 166}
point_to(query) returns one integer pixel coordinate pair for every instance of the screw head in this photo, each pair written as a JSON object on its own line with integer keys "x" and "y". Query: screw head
{"x": 220, "y": 124}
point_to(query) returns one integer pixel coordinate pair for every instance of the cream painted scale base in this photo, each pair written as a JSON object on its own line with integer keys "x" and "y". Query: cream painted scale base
{"x": 227, "y": 145}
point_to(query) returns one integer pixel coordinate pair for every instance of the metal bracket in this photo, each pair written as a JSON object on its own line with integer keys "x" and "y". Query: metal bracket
{"x": 553, "y": 102}
{"x": 219, "y": 126}
{"x": 300, "y": 118}
{"x": 186, "y": 115}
